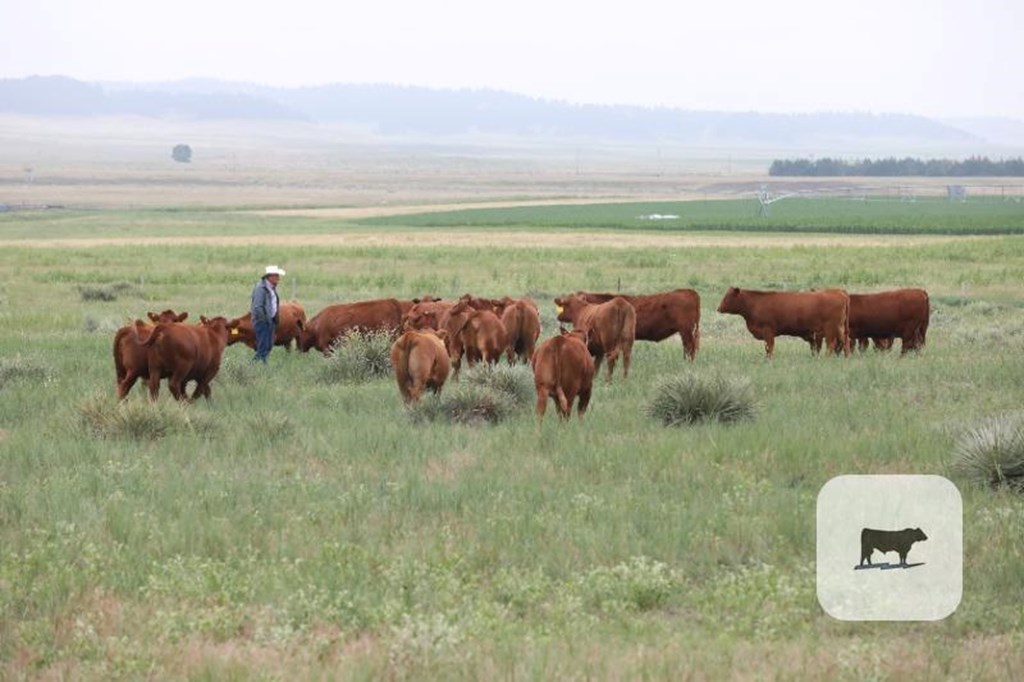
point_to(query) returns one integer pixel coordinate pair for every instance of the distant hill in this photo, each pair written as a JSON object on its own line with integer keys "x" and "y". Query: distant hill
{"x": 397, "y": 110}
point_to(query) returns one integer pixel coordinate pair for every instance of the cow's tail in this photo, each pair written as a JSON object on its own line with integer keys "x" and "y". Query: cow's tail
{"x": 157, "y": 332}
{"x": 563, "y": 402}
{"x": 400, "y": 359}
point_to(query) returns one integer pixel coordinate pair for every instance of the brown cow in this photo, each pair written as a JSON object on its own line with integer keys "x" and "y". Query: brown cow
{"x": 563, "y": 369}
{"x": 610, "y": 328}
{"x": 130, "y": 356}
{"x": 334, "y": 321}
{"x": 420, "y": 359}
{"x": 887, "y": 315}
{"x": 290, "y": 316}
{"x": 183, "y": 353}
{"x": 426, "y": 313}
{"x": 522, "y": 327}
{"x": 806, "y": 314}
{"x": 481, "y": 335}
{"x": 659, "y": 316}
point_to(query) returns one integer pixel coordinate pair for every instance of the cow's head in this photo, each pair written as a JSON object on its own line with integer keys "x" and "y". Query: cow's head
{"x": 167, "y": 316}
{"x": 305, "y": 338}
{"x": 731, "y": 302}
{"x": 219, "y": 325}
{"x": 420, "y": 317}
{"x": 567, "y": 307}
{"x": 580, "y": 335}
{"x": 240, "y": 329}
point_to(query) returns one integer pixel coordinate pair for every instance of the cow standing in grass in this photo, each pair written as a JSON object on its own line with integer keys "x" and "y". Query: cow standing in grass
{"x": 659, "y": 316}
{"x": 610, "y": 328}
{"x": 563, "y": 370}
{"x": 185, "y": 352}
{"x": 131, "y": 361}
{"x": 420, "y": 360}
{"x": 809, "y": 315}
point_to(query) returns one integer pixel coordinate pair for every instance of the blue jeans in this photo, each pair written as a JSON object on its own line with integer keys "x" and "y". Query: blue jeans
{"x": 264, "y": 330}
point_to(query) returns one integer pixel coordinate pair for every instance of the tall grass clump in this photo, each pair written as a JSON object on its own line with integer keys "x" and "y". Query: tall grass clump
{"x": 516, "y": 381}
{"x": 101, "y": 417}
{"x": 358, "y": 357}
{"x": 690, "y": 398}
{"x": 465, "y": 404}
{"x": 484, "y": 395}
{"x": 19, "y": 368}
{"x": 992, "y": 453}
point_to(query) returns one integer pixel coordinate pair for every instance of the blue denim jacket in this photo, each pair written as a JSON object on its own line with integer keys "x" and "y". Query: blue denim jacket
{"x": 264, "y": 302}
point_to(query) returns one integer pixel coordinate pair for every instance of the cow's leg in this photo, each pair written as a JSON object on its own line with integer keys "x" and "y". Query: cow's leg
{"x": 689, "y": 340}
{"x": 769, "y": 344}
{"x": 177, "y": 385}
{"x": 542, "y": 403}
{"x": 584, "y": 402}
{"x": 903, "y": 558}
{"x": 125, "y": 385}
{"x": 154, "y": 384}
{"x": 598, "y": 359}
{"x": 627, "y": 357}
{"x": 612, "y": 358}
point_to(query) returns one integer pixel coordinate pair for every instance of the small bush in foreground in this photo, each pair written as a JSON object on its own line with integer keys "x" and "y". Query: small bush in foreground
{"x": 992, "y": 453}
{"x": 515, "y": 381}
{"x": 358, "y": 357}
{"x": 689, "y": 398}
{"x": 465, "y": 404}
{"x": 18, "y": 368}
{"x": 139, "y": 420}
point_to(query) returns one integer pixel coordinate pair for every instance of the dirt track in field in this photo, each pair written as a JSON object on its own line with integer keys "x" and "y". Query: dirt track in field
{"x": 497, "y": 238}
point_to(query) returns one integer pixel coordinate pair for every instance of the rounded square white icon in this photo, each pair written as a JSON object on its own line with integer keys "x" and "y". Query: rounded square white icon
{"x": 889, "y": 547}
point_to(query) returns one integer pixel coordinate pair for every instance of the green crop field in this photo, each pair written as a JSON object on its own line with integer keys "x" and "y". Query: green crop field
{"x": 295, "y": 528}
{"x": 854, "y": 216}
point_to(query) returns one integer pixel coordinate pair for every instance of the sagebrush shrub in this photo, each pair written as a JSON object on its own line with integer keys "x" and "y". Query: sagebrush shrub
{"x": 690, "y": 398}
{"x": 358, "y": 357}
{"x": 992, "y": 453}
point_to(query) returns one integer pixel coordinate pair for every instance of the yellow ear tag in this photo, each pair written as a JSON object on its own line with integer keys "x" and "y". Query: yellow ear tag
{"x": 559, "y": 309}
{"x": 234, "y": 331}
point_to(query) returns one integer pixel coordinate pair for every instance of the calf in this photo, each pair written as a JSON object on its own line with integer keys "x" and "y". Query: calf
{"x": 659, "y": 316}
{"x": 610, "y": 328}
{"x": 183, "y": 353}
{"x": 291, "y": 317}
{"x": 421, "y": 362}
{"x": 563, "y": 369}
{"x": 130, "y": 356}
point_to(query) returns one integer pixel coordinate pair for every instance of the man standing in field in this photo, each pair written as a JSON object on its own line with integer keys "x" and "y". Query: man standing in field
{"x": 265, "y": 303}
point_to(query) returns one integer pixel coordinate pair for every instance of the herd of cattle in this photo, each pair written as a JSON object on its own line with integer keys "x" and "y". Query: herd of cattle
{"x": 433, "y": 336}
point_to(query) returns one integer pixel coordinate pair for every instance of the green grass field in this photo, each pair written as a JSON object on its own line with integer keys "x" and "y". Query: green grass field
{"x": 296, "y": 529}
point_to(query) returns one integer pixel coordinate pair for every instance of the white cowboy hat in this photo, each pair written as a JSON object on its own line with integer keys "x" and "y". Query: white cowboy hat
{"x": 273, "y": 270}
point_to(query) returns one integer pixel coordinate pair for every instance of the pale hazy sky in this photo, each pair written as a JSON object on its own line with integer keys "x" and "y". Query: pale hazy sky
{"x": 937, "y": 58}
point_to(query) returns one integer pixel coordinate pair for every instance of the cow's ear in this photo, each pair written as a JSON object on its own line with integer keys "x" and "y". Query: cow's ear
{"x": 300, "y": 324}
{"x": 415, "y": 301}
{"x": 203, "y": 319}
{"x": 182, "y": 317}
{"x": 153, "y": 316}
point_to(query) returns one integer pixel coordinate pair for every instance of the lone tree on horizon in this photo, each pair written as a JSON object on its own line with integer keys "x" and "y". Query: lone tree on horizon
{"x": 182, "y": 153}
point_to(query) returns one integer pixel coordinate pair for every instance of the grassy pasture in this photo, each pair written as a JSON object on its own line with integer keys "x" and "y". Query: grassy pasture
{"x": 296, "y": 529}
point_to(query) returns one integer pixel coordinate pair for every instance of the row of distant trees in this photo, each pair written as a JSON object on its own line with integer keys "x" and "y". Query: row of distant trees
{"x": 893, "y": 167}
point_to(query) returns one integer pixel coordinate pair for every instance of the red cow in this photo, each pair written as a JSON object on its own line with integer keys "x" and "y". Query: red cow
{"x": 334, "y": 321}
{"x": 481, "y": 335}
{"x": 809, "y": 315}
{"x": 130, "y": 356}
{"x": 183, "y": 353}
{"x": 290, "y": 316}
{"x": 659, "y": 316}
{"x": 887, "y": 315}
{"x": 421, "y": 361}
{"x": 610, "y": 328}
{"x": 522, "y": 327}
{"x": 563, "y": 369}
